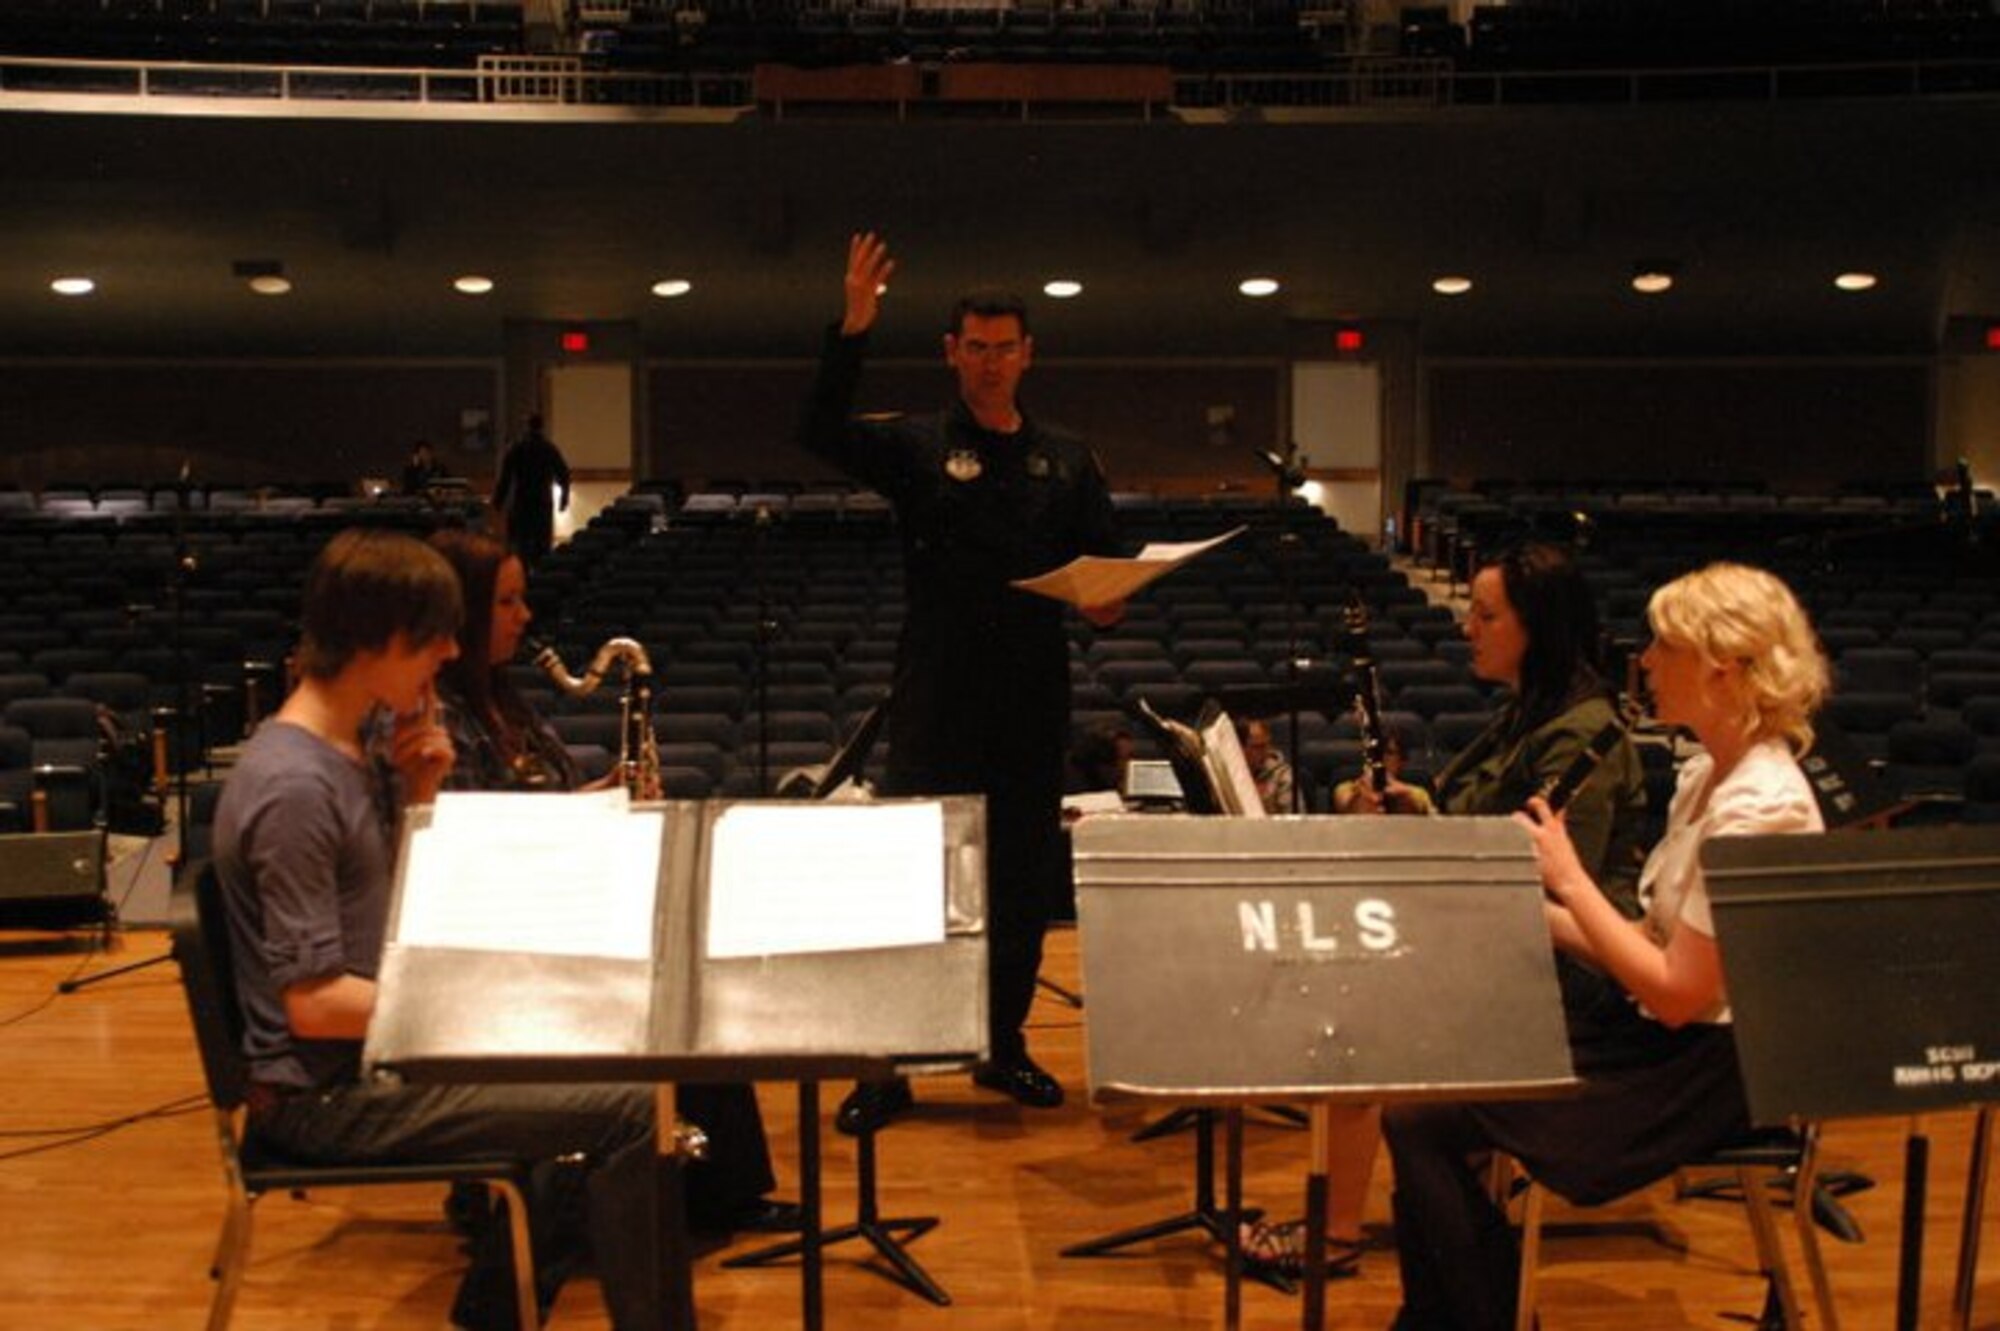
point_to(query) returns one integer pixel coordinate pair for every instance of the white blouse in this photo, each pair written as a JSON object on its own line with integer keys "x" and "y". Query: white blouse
{"x": 1764, "y": 793}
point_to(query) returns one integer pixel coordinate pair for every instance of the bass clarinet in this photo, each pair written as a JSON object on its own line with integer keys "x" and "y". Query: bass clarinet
{"x": 638, "y": 750}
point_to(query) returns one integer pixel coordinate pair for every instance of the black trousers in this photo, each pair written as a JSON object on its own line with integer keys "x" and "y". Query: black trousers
{"x": 1027, "y": 865}
{"x": 737, "y": 1171}
{"x": 1027, "y": 871}
{"x": 641, "y": 1255}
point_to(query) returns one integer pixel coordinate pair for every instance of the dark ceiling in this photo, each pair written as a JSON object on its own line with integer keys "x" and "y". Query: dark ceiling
{"x": 1545, "y": 208}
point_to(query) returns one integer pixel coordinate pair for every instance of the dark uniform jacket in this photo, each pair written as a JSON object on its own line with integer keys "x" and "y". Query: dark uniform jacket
{"x": 982, "y": 679}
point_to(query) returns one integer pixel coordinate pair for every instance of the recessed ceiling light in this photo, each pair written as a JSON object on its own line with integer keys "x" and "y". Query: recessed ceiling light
{"x": 1062, "y": 288}
{"x": 73, "y": 286}
{"x": 472, "y": 284}
{"x": 1258, "y": 287}
{"x": 1855, "y": 281}
{"x": 271, "y": 284}
{"x": 669, "y": 287}
{"x": 1650, "y": 277}
{"x": 1451, "y": 285}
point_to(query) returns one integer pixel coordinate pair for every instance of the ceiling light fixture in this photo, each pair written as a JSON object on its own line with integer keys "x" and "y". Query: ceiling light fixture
{"x": 1062, "y": 288}
{"x": 1855, "y": 281}
{"x": 266, "y": 277}
{"x": 1451, "y": 285}
{"x": 669, "y": 287}
{"x": 73, "y": 286}
{"x": 1650, "y": 277}
{"x": 1258, "y": 287}
{"x": 472, "y": 284}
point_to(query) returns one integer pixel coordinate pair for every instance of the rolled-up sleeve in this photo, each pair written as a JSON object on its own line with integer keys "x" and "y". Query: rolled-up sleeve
{"x": 291, "y": 845}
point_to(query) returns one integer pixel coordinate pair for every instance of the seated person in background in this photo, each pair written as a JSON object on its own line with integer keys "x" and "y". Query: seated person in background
{"x": 503, "y": 745}
{"x": 1270, "y": 769}
{"x": 1357, "y": 794}
{"x": 421, "y": 468}
{"x": 1734, "y": 660}
{"x": 1098, "y": 759}
{"x": 305, "y": 843}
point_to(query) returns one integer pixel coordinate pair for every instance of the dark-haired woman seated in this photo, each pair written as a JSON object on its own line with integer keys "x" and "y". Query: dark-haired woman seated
{"x": 503, "y": 745}
{"x": 1533, "y": 628}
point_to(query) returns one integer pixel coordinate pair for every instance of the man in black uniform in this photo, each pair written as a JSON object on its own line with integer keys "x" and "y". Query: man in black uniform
{"x": 983, "y": 495}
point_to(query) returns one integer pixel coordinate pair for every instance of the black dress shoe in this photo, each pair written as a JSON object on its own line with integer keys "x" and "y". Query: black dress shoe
{"x": 759, "y": 1215}
{"x": 1020, "y": 1080}
{"x": 767, "y": 1215}
{"x": 871, "y": 1104}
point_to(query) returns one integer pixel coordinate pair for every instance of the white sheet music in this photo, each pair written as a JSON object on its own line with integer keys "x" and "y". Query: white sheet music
{"x": 1095, "y": 580}
{"x": 1223, "y": 753}
{"x": 569, "y": 875}
{"x": 825, "y": 878}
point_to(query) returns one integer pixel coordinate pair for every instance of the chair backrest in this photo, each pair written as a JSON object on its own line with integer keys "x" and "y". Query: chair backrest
{"x": 208, "y": 977}
{"x": 54, "y": 718}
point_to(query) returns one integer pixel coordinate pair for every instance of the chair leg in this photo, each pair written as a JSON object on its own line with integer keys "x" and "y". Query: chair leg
{"x": 1979, "y": 1169}
{"x": 1531, "y": 1255}
{"x": 232, "y": 1256}
{"x": 1804, "y": 1181}
{"x": 525, "y": 1300}
{"x": 1770, "y": 1252}
{"x": 232, "y": 1246}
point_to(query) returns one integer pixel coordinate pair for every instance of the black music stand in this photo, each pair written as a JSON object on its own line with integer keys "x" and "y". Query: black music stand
{"x": 1317, "y": 959}
{"x": 869, "y": 1223}
{"x": 1861, "y": 983}
{"x": 882, "y": 1233}
{"x": 459, "y": 1014}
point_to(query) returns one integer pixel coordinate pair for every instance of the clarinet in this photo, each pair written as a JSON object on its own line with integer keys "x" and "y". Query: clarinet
{"x": 639, "y": 754}
{"x": 1560, "y": 789}
{"x": 1367, "y": 698}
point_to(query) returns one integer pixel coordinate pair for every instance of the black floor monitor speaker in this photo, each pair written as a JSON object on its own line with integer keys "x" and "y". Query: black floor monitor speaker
{"x": 53, "y": 880}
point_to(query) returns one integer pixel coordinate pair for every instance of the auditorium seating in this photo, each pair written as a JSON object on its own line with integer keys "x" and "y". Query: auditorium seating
{"x": 83, "y": 593}
{"x": 1903, "y": 594}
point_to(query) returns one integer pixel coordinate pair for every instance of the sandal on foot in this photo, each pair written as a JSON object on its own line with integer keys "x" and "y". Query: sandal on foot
{"x": 1280, "y": 1246}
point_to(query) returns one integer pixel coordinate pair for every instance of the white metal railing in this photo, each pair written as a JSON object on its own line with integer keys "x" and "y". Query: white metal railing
{"x": 1378, "y": 81}
{"x": 516, "y": 79}
{"x": 1365, "y": 82}
{"x": 529, "y": 78}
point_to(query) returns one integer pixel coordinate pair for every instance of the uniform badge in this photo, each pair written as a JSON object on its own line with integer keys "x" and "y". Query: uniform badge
{"x": 1038, "y": 466}
{"x": 962, "y": 464}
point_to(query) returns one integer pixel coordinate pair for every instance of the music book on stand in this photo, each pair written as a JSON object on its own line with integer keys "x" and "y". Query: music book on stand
{"x": 551, "y": 937}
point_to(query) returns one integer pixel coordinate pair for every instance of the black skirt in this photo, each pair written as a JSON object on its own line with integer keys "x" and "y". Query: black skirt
{"x": 1653, "y": 1098}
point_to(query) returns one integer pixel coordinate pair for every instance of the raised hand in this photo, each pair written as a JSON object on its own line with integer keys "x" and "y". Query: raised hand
{"x": 420, "y": 751}
{"x": 869, "y": 268}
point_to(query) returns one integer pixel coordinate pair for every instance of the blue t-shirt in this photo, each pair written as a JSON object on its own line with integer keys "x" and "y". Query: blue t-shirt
{"x": 304, "y": 848}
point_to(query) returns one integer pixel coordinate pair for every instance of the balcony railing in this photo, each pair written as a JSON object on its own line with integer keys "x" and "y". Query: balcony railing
{"x": 564, "y": 84}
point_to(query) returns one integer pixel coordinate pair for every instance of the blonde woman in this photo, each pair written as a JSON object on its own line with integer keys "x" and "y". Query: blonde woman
{"x": 1735, "y": 661}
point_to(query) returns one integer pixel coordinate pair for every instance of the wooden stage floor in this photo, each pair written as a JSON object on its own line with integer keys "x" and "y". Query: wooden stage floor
{"x": 116, "y": 1231}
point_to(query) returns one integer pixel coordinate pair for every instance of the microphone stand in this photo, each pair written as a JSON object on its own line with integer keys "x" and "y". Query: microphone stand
{"x": 179, "y": 571}
{"x": 761, "y": 643}
{"x": 1289, "y": 470}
